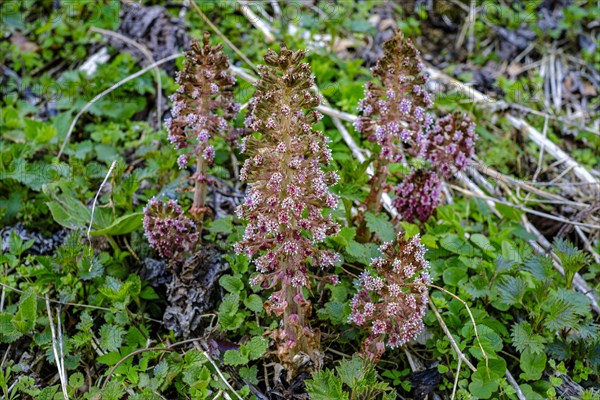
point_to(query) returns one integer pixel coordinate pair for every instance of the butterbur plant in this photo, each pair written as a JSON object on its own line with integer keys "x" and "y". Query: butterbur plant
{"x": 203, "y": 107}
{"x": 392, "y": 298}
{"x": 287, "y": 194}
{"x": 393, "y": 111}
{"x": 394, "y": 115}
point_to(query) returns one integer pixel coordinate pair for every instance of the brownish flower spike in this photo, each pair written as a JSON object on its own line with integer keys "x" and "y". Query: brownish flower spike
{"x": 286, "y": 197}
{"x": 203, "y": 106}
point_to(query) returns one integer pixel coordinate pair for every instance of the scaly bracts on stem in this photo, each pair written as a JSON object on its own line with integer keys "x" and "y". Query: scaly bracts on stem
{"x": 286, "y": 197}
{"x": 203, "y": 106}
{"x": 392, "y": 299}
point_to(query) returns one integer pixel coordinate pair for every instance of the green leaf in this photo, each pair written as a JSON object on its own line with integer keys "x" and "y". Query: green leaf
{"x": 111, "y": 337}
{"x": 380, "y": 225}
{"x": 324, "y": 385}
{"x": 233, "y": 284}
{"x": 482, "y": 242}
{"x": 8, "y": 332}
{"x": 484, "y": 381}
{"x": 254, "y": 303}
{"x": 76, "y": 380}
{"x": 524, "y": 338}
{"x": 532, "y": 364}
{"x": 508, "y": 212}
{"x": 235, "y": 358}
{"x": 229, "y": 317}
{"x": 540, "y": 267}
{"x": 510, "y": 252}
{"x": 256, "y": 347}
{"x": 561, "y": 314}
{"x": 109, "y": 359}
{"x": 24, "y": 320}
{"x": 454, "y": 244}
{"x": 122, "y": 225}
{"x": 452, "y": 276}
{"x": 250, "y": 374}
{"x": 511, "y": 290}
{"x": 410, "y": 230}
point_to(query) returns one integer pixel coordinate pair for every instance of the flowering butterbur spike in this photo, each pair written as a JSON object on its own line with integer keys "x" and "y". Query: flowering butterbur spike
{"x": 203, "y": 106}
{"x": 393, "y": 111}
{"x": 418, "y": 195}
{"x": 392, "y": 299}
{"x": 285, "y": 199}
{"x": 451, "y": 144}
{"x": 168, "y": 230}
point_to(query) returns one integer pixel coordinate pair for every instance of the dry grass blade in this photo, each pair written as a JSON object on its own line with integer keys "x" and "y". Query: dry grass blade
{"x": 58, "y": 359}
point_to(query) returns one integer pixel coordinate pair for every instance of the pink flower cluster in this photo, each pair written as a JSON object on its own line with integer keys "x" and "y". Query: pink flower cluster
{"x": 168, "y": 230}
{"x": 418, "y": 195}
{"x": 287, "y": 194}
{"x": 392, "y": 299}
{"x": 394, "y": 109}
{"x": 450, "y": 144}
{"x": 203, "y": 104}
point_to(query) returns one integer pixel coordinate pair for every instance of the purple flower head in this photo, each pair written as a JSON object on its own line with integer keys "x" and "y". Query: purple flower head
{"x": 391, "y": 301}
{"x": 168, "y": 231}
{"x": 417, "y": 195}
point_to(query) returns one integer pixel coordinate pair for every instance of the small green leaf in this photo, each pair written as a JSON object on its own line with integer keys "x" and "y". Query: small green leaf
{"x": 324, "y": 385}
{"x": 453, "y": 276}
{"x": 256, "y": 347}
{"x": 532, "y": 364}
{"x": 235, "y": 358}
{"x": 111, "y": 337}
{"x": 254, "y": 303}
{"x": 24, "y": 320}
{"x": 380, "y": 225}
{"x": 524, "y": 338}
{"x": 482, "y": 242}
{"x": 233, "y": 284}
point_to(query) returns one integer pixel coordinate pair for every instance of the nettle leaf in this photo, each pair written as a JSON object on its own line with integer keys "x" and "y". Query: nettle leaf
{"x": 255, "y": 348}
{"x": 532, "y": 364}
{"x": 111, "y": 337}
{"x": 8, "y": 332}
{"x": 564, "y": 310}
{"x": 250, "y": 374}
{"x": 524, "y": 338}
{"x": 233, "y": 284}
{"x": 235, "y": 358}
{"x": 380, "y": 225}
{"x": 229, "y": 318}
{"x": 511, "y": 290}
{"x": 324, "y": 385}
{"x": 540, "y": 267}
